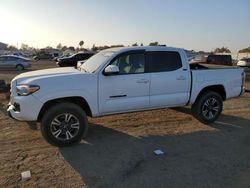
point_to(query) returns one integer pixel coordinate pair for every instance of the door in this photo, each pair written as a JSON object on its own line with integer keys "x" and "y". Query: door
{"x": 6, "y": 62}
{"x": 170, "y": 80}
{"x": 2, "y": 64}
{"x": 11, "y": 62}
{"x": 128, "y": 90}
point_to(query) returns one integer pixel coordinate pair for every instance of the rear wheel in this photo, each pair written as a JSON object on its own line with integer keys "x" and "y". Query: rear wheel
{"x": 208, "y": 107}
{"x": 19, "y": 67}
{"x": 64, "y": 124}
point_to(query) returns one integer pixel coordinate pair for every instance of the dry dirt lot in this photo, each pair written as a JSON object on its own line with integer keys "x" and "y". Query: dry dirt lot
{"x": 118, "y": 151}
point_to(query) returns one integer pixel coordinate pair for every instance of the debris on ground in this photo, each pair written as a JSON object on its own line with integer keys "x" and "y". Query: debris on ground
{"x": 26, "y": 175}
{"x": 158, "y": 152}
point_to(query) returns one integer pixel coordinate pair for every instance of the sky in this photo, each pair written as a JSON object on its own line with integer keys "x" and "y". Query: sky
{"x": 191, "y": 24}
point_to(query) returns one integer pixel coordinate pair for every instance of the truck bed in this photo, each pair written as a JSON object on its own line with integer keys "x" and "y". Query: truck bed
{"x": 230, "y": 77}
{"x": 197, "y": 66}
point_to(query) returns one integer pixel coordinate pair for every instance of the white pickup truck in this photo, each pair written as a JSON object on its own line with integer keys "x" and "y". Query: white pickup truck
{"x": 119, "y": 80}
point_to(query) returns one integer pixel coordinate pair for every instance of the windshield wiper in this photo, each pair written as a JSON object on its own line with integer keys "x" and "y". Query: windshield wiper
{"x": 83, "y": 69}
{"x": 80, "y": 68}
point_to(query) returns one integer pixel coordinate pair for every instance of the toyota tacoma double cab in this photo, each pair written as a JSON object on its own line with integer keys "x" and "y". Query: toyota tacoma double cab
{"x": 120, "y": 80}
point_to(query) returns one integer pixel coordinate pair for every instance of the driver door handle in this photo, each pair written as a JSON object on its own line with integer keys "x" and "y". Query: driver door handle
{"x": 181, "y": 78}
{"x": 142, "y": 81}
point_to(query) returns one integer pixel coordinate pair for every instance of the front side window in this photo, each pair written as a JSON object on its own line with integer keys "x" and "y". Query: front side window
{"x": 2, "y": 58}
{"x": 165, "y": 61}
{"x": 130, "y": 63}
{"x": 12, "y": 58}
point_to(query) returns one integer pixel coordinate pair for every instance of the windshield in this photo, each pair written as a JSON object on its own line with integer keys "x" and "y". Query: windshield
{"x": 94, "y": 62}
{"x": 73, "y": 55}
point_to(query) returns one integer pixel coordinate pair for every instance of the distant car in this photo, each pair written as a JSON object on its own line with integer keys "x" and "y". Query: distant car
{"x": 14, "y": 62}
{"x": 72, "y": 60}
{"x": 198, "y": 59}
{"x": 56, "y": 58}
{"x": 214, "y": 59}
{"x": 18, "y": 54}
{"x": 79, "y": 63}
{"x": 244, "y": 62}
{"x": 42, "y": 56}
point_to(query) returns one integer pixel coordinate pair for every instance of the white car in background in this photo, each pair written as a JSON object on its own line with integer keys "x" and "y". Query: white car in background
{"x": 244, "y": 62}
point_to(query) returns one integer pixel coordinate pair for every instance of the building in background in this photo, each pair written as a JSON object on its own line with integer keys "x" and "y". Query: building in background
{"x": 3, "y": 46}
{"x": 52, "y": 51}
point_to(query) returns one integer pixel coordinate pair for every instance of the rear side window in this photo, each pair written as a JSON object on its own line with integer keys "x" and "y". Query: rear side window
{"x": 165, "y": 61}
{"x": 89, "y": 55}
{"x": 86, "y": 56}
{"x": 223, "y": 59}
{"x": 228, "y": 59}
{"x": 77, "y": 56}
{"x": 211, "y": 58}
{"x": 83, "y": 56}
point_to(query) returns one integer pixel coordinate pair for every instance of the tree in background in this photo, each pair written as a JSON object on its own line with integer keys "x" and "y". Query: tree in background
{"x": 64, "y": 48}
{"x": 99, "y": 48}
{"x": 48, "y": 47}
{"x": 245, "y": 50}
{"x": 222, "y": 50}
{"x": 154, "y": 44}
{"x": 81, "y": 43}
{"x": 24, "y": 47}
{"x": 116, "y": 46}
{"x": 59, "y": 46}
{"x": 135, "y": 44}
{"x": 12, "y": 48}
{"x": 94, "y": 48}
{"x": 141, "y": 44}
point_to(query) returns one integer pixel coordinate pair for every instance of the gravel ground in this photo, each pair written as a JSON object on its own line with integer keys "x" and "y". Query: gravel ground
{"x": 118, "y": 151}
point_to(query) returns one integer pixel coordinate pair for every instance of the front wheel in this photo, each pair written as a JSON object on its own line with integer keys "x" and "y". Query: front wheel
{"x": 208, "y": 107}
{"x": 19, "y": 67}
{"x": 64, "y": 124}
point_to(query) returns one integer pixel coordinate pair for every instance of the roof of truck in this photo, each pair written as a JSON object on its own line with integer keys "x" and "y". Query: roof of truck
{"x": 148, "y": 48}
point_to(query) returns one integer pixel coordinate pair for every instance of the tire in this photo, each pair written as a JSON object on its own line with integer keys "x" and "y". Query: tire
{"x": 207, "y": 107}
{"x": 60, "y": 64}
{"x": 64, "y": 124}
{"x": 19, "y": 67}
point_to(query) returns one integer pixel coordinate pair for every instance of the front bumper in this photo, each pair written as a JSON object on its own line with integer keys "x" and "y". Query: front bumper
{"x": 24, "y": 108}
{"x": 11, "y": 107}
{"x": 243, "y": 89}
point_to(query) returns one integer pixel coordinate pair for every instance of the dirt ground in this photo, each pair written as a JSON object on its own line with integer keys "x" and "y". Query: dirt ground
{"x": 118, "y": 151}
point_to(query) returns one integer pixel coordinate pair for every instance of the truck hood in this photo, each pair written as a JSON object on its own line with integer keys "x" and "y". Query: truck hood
{"x": 58, "y": 83}
{"x": 46, "y": 73}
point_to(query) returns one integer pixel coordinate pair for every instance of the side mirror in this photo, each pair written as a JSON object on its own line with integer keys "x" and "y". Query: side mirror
{"x": 111, "y": 70}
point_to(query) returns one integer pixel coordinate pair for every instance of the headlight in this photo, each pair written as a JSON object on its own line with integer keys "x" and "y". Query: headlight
{"x": 25, "y": 90}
